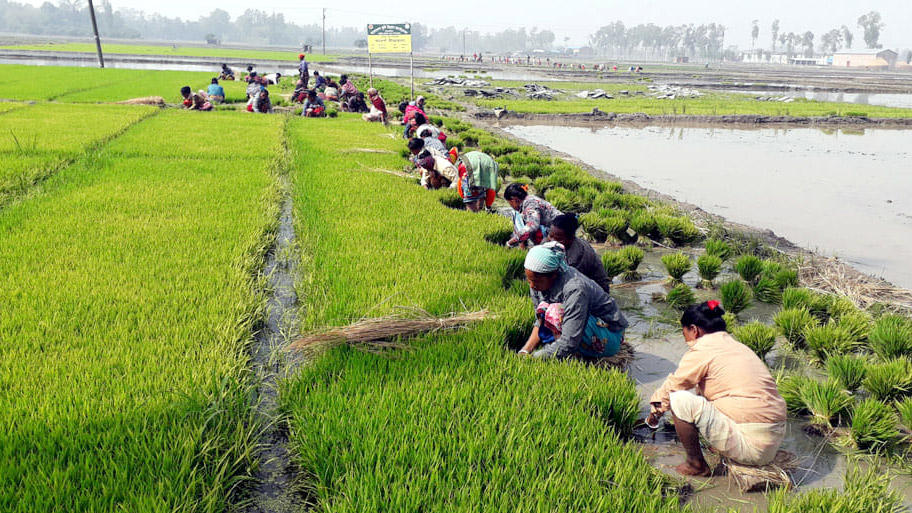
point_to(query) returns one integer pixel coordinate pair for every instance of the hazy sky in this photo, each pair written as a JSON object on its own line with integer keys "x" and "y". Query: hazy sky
{"x": 579, "y": 19}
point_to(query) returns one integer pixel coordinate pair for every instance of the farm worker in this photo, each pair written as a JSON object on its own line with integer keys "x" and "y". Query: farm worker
{"x": 299, "y": 94}
{"x": 356, "y": 103}
{"x": 348, "y": 88}
{"x": 574, "y": 316}
{"x": 302, "y": 69}
{"x": 436, "y": 170}
{"x": 319, "y": 81}
{"x": 330, "y": 93}
{"x": 216, "y": 92}
{"x": 721, "y": 391}
{"x": 253, "y": 85}
{"x": 532, "y": 218}
{"x": 477, "y": 179}
{"x": 419, "y": 144}
{"x": 377, "y": 107}
{"x": 194, "y": 101}
{"x": 261, "y": 102}
{"x": 226, "y": 73}
{"x": 579, "y": 253}
{"x": 313, "y": 107}
{"x": 429, "y": 130}
{"x": 412, "y": 117}
{"x": 272, "y": 78}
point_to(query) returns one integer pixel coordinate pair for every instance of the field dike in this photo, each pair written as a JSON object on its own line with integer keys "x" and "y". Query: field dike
{"x": 274, "y": 487}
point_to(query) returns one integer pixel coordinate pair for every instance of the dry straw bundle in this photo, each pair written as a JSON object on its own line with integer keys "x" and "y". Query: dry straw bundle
{"x": 765, "y": 478}
{"x": 619, "y": 360}
{"x": 836, "y": 277}
{"x": 381, "y": 333}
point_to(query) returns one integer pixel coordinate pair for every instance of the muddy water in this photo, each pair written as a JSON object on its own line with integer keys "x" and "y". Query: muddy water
{"x": 882, "y": 99}
{"x": 838, "y": 192}
{"x": 275, "y": 488}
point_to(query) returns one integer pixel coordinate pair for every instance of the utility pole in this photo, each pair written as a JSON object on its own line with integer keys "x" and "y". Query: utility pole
{"x": 324, "y": 31}
{"x": 722, "y": 49}
{"x": 97, "y": 39}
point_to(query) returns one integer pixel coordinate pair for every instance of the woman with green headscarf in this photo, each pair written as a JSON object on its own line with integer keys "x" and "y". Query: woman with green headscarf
{"x": 574, "y": 316}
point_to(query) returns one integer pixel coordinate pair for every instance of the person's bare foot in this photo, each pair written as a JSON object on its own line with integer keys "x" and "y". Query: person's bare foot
{"x": 689, "y": 469}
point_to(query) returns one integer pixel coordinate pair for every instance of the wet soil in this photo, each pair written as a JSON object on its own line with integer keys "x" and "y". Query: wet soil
{"x": 276, "y": 485}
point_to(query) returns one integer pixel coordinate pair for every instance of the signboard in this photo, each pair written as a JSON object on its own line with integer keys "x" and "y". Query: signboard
{"x": 389, "y": 38}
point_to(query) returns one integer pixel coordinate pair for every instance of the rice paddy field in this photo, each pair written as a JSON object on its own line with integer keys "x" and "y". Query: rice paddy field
{"x": 173, "y": 51}
{"x": 134, "y": 242}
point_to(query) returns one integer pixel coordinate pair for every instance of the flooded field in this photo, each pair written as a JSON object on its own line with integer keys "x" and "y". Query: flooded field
{"x": 883, "y": 99}
{"x": 838, "y": 192}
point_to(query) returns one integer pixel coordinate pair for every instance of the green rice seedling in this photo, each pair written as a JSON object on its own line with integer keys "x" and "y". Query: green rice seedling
{"x": 848, "y": 370}
{"x": 904, "y": 408}
{"x": 634, "y": 257}
{"x": 771, "y": 268}
{"x": 586, "y": 196}
{"x": 593, "y": 224}
{"x": 680, "y": 297}
{"x": 827, "y": 340}
{"x": 718, "y": 248}
{"x": 857, "y": 324}
{"x": 786, "y": 278}
{"x": 757, "y": 336}
{"x": 736, "y": 296}
{"x": 678, "y": 230}
{"x": 767, "y": 291}
{"x": 838, "y": 306}
{"x": 891, "y": 337}
{"x": 889, "y": 380}
{"x": 709, "y": 267}
{"x": 815, "y": 303}
{"x": 731, "y": 320}
{"x": 677, "y": 265}
{"x": 868, "y": 491}
{"x": 790, "y": 387}
{"x": 749, "y": 268}
{"x": 564, "y": 200}
{"x": 793, "y": 323}
{"x": 644, "y": 224}
{"x": 616, "y": 226}
{"x": 825, "y": 400}
{"x": 633, "y": 202}
{"x": 615, "y": 263}
{"x": 873, "y": 426}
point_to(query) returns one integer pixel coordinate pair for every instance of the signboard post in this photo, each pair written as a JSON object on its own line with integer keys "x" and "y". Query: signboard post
{"x": 390, "y": 38}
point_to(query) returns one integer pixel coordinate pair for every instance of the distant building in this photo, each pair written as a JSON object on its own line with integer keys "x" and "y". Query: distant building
{"x": 761, "y": 57}
{"x": 865, "y": 59}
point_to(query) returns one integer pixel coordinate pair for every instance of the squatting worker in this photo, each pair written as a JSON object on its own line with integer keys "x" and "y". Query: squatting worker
{"x": 579, "y": 253}
{"x": 216, "y": 92}
{"x": 723, "y": 392}
{"x": 574, "y": 316}
{"x": 303, "y": 69}
{"x": 437, "y": 171}
{"x": 532, "y": 218}
{"x": 477, "y": 179}
{"x": 377, "y": 107}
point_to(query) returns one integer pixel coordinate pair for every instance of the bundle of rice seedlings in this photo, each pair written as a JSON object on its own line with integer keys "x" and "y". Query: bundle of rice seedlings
{"x": 889, "y": 380}
{"x": 768, "y": 291}
{"x": 792, "y": 323}
{"x": 904, "y": 408}
{"x": 678, "y": 230}
{"x": 798, "y": 297}
{"x": 825, "y": 400}
{"x": 634, "y": 257}
{"x": 749, "y": 268}
{"x": 565, "y": 200}
{"x": 757, "y": 336}
{"x": 827, "y": 340}
{"x": 786, "y": 278}
{"x": 765, "y": 478}
{"x": 615, "y": 263}
{"x": 607, "y": 199}
{"x": 619, "y": 360}
{"x": 677, "y": 265}
{"x": 838, "y": 306}
{"x": 615, "y": 225}
{"x": 848, "y": 370}
{"x": 680, "y": 297}
{"x": 643, "y": 223}
{"x": 718, "y": 248}
{"x": 382, "y": 333}
{"x": 594, "y": 225}
{"x": 873, "y": 426}
{"x": 857, "y": 324}
{"x": 891, "y": 337}
{"x": 586, "y": 196}
{"x": 709, "y": 267}
{"x": 736, "y": 296}
{"x": 731, "y": 320}
{"x": 790, "y": 387}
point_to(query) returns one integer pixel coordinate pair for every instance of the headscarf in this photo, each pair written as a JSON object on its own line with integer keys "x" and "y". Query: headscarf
{"x": 426, "y": 160}
{"x": 453, "y": 154}
{"x": 546, "y": 258}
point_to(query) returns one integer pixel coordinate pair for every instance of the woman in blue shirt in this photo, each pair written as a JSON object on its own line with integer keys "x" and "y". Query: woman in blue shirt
{"x": 216, "y": 92}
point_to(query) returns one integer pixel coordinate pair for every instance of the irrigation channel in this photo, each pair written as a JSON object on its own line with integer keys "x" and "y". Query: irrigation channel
{"x": 837, "y": 191}
{"x": 276, "y": 487}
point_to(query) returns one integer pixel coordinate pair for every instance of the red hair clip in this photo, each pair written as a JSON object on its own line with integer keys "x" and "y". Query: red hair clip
{"x": 712, "y": 304}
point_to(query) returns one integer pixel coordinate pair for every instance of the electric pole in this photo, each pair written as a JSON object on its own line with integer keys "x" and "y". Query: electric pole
{"x": 324, "y": 31}
{"x": 97, "y": 40}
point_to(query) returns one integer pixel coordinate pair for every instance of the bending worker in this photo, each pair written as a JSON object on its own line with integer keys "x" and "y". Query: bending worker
{"x": 437, "y": 171}
{"x": 574, "y": 316}
{"x": 579, "y": 253}
{"x": 533, "y": 216}
{"x": 477, "y": 179}
{"x": 723, "y": 392}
